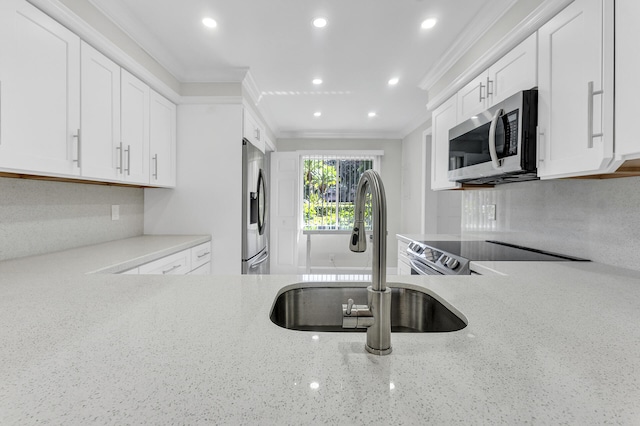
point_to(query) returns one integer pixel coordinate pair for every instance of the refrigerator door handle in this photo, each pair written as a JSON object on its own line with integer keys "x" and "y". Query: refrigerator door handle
{"x": 263, "y": 258}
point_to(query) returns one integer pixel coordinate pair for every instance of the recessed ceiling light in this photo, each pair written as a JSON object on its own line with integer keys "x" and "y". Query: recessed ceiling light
{"x": 317, "y": 114}
{"x": 209, "y": 22}
{"x": 317, "y": 81}
{"x": 393, "y": 81}
{"x": 319, "y": 22}
{"x": 429, "y": 23}
{"x": 372, "y": 114}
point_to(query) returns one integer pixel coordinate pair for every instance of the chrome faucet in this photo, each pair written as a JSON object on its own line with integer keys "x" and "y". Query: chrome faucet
{"x": 376, "y": 315}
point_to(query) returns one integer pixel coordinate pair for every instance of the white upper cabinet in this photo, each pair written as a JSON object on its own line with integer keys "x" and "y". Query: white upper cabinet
{"x": 443, "y": 118}
{"x": 253, "y": 131}
{"x": 162, "y": 118}
{"x": 575, "y": 110}
{"x": 515, "y": 71}
{"x": 40, "y": 92}
{"x": 472, "y": 98}
{"x": 135, "y": 104}
{"x": 101, "y": 149}
{"x": 627, "y": 79}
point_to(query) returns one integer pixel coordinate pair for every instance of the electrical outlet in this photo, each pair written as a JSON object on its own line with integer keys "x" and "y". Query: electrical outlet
{"x": 491, "y": 211}
{"x": 115, "y": 212}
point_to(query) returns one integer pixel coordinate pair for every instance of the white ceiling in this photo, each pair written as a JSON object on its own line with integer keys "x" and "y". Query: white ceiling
{"x": 365, "y": 43}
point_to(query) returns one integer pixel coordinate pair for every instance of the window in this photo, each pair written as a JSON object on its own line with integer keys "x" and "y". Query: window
{"x": 329, "y": 189}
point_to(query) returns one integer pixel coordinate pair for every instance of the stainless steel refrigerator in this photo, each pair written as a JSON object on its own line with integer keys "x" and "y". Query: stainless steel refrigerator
{"x": 255, "y": 245}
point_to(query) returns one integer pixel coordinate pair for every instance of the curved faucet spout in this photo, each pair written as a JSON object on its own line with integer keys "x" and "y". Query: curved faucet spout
{"x": 376, "y": 315}
{"x": 371, "y": 180}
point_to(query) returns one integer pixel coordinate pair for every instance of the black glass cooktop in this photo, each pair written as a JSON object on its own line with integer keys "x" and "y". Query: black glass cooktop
{"x": 496, "y": 251}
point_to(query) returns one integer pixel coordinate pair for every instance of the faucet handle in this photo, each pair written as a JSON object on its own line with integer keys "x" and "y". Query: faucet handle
{"x": 349, "y": 306}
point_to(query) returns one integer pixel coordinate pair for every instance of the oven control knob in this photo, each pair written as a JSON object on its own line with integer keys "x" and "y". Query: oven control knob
{"x": 452, "y": 263}
{"x": 444, "y": 259}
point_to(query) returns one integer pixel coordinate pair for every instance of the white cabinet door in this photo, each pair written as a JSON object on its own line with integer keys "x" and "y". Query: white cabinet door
{"x": 404, "y": 267}
{"x": 472, "y": 98}
{"x": 101, "y": 149}
{"x": 442, "y": 119}
{"x": 174, "y": 264}
{"x": 575, "y": 107}
{"x": 134, "y": 129}
{"x": 162, "y": 133}
{"x": 627, "y": 79}
{"x": 514, "y": 72}
{"x": 39, "y": 91}
{"x": 253, "y": 131}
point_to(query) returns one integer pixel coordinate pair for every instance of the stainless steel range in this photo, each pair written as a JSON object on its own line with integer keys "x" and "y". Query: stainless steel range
{"x": 454, "y": 257}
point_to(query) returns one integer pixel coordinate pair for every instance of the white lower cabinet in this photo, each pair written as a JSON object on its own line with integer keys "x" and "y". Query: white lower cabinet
{"x": 175, "y": 264}
{"x": 575, "y": 91}
{"x": 193, "y": 261}
{"x": 404, "y": 266}
{"x": 202, "y": 270}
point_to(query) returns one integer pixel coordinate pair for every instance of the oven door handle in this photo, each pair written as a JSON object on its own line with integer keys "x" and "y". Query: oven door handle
{"x": 419, "y": 268}
{"x": 492, "y": 140}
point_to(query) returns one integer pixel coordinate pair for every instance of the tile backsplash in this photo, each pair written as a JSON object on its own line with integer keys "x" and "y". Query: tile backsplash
{"x": 594, "y": 219}
{"x": 43, "y": 216}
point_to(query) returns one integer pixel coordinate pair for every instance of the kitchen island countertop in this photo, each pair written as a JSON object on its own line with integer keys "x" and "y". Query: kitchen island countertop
{"x": 545, "y": 343}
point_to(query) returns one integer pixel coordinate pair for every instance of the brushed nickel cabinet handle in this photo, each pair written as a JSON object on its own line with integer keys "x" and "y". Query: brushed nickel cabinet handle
{"x": 128, "y": 151}
{"x": 155, "y": 159}
{"x": 119, "y": 149}
{"x": 590, "y": 94}
{"x": 78, "y": 136}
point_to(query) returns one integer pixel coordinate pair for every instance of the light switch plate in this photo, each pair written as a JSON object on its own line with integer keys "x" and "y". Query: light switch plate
{"x": 115, "y": 212}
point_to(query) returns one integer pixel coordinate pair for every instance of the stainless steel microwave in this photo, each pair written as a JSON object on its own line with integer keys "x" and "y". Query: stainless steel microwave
{"x": 498, "y": 145}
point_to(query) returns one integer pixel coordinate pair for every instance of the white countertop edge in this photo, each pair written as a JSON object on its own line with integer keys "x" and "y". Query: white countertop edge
{"x": 150, "y": 257}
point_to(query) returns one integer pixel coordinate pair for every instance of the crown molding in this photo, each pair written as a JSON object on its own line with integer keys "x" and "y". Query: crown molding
{"x": 211, "y": 100}
{"x": 338, "y": 135}
{"x": 524, "y": 29}
{"x": 481, "y": 23}
{"x": 66, "y": 17}
{"x": 116, "y": 12}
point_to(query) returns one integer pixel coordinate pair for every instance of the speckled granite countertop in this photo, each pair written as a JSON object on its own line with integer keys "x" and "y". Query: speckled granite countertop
{"x": 106, "y": 258}
{"x": 546, "y": 344}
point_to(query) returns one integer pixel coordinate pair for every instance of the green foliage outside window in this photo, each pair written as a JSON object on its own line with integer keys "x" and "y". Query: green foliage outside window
{"x": 330, "y": 185}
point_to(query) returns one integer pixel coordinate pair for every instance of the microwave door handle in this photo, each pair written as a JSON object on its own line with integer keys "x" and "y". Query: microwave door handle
{"x": 492, "y": 139}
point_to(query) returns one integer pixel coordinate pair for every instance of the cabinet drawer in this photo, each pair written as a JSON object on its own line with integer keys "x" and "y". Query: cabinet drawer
{"x": 175, "y": 264}
{"x": 200, "y": 255}
{"x": 402, "y": 248}
{"x": 202, "y": 270}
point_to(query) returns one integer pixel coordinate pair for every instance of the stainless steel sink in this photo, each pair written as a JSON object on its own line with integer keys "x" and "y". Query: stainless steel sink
{"x": 318, "y": 307}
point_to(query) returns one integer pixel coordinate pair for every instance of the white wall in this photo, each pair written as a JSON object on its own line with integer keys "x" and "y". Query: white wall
{"x": 442, "y": 210}
{"x": 594, "y": 219}
{"x": 390, "y": 171}
{"x": 39, "y": 217}
{"x": 208, "y": 195}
